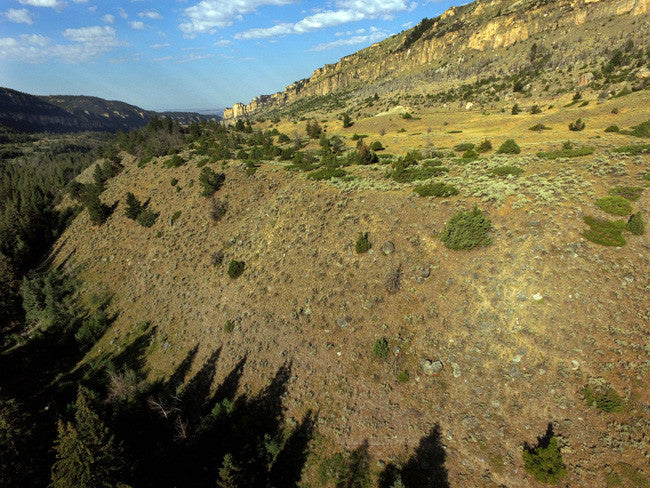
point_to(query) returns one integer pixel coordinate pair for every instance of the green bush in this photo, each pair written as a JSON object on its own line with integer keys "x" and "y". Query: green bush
{"x": 576, "y": 126}
{"x": 539, "y": 127}
{"x": 615, "y": 205}
{"x": 636, "y": 225}
{"x": 229, "y": 326}
{"x": 467, "y": 229}
{"x": 175, "y": 161}
{"x": 632, "y": 193}
{"x": 464, "y": 146}
{"x": 507, "y": 171}
{"x": 545, "y": 462}
{"x": 515, "y": 109}
{"x": 326, "y": 174}
{"x": 633, "y": 149}
{"x": 641, "y": 130}
{"x": 605, "y": 232}
{"x": 535, "y": 109}
{"x": 403, "y": 376}
{"x": 376, "y": 146}
{"x": 509, "y": 147}
{"x": 236, "y": 268}
{"x": 380, "y": 348}
{"x": 470, "y": 154}
{"x": 484, "y": 146}
{"x": 147, "y": 218}
{"x": 567, "y": 153}
{"x": 175, "y": 217}
{"x": 92, "y": 329}
{"x": 436, "y": 190}
{"x": 612, "y": 128}
{"x": 363, "y": 244}
{"x": 210, "y": 181}
{"x": 605, "y": 399}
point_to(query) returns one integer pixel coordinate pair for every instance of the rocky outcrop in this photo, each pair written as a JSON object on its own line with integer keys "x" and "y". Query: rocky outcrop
{"x": 480, "y": 30}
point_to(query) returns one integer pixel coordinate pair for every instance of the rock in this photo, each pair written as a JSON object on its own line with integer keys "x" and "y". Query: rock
{"x": 432, "y": 368}
{"x": 538, "y": 296}
{"x": 575, "y": 364}
{"x": 344, "y": 321}
{"x": 388, "y": 248}
{"x": 456, "y": 370}
{"x": 425, "y": 271}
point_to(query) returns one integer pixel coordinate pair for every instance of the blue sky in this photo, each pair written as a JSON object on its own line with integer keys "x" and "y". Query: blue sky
{"x": 187, "y": 54}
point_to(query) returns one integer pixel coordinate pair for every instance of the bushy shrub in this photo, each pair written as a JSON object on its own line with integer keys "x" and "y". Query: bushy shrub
{"x": 464, "y": 146}
{"x": 470, "y": 154}
{"x": 539, "y": 127}
{"x": 507, "y": 171}
{"x": 147, "y": 218}
{"x": 612, "y": 128}
{"x": 632, "y": 193}
{"x": 641, "y": 130}
{"x": 376, "y": 146}
{"x": 236, "y": 268}
{"x": 326, "y": 174}
{"x": 380, "y": 348}
{"x": 615, "y": 205}
{"x": 436, "y": 190}
{"x": 484, "y": 146}
{"x": 633, "y": 149}
{"x": 515, "y": 109}
{"x": 229, "y": 326}
{"x": 576, "y": 126}
{"x": 175, "y": 161}
{"x": 403, "y": 376}
{"x": 545, "y": 462}
{"x": 92, "y": 329}
{"x": 605, "y": 399}
{"x": 605, "y": 232}
{"x": 636, "y": 225}
{"x": 218, "y": 209}
{"x": 363, "y": 244}
{"x": 467, "y": 229}
{"x": 535, "y": 109}
{"x": 210, "y": 181}
{"x": 567, "y": 152}
{"x": 509, "y": 147}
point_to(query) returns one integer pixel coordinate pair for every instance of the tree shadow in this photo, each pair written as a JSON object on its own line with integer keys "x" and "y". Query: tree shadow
{"x": 425, "y": 468}
{"x": 542, "y": 441}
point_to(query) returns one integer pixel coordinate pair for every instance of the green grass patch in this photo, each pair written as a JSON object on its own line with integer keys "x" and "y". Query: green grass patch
{"x": 633, "y": 149}
{"x": 615, "y": 205}
{"x": 567, "y": 153}
{"x": 632, "y": 193}
{"x": 539, "y": 127}
{"x": 606, "y": 399}
{"x": 506, "y": 171}
{"x": 605, "y": 232}
{"x": 436, "y": 190}
{"x": 326, "y": 174}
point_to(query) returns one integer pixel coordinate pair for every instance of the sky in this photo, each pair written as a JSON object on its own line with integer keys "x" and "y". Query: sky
{"x": 184, "y": 54}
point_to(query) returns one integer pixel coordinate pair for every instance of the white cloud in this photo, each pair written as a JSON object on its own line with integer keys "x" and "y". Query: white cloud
{"x": 376, "y": 35}
{"x": 19, "y": 16}
{"x": 159, "y": 46}
{"x": 122, "y": 13}
{"x": 207, "y": 15}
{"x": 108, "y": 18}
{"x": 150, "y": 14}
{"x": 137, "y": 25}
{"x": 42, "y": 3}
{"x": 347, "y": 11}
{"x": 223, "y": 43}
{"x": 164, "y": 58}
{"x": 86, "y": 44}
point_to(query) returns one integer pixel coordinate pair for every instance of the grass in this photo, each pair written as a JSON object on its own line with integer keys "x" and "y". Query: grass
{"x": 380, "y": 348}
{"x": 567, "y": 153}
{"x": 605, "y": 232}
{"x": 615, "y": 205}
{"x": 507, "y": 171}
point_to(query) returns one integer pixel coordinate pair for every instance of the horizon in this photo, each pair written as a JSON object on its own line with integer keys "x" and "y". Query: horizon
{"x": 160, "y": 57}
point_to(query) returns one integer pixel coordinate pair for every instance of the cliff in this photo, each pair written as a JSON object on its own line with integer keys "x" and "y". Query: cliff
{"x": 461, "y": 43}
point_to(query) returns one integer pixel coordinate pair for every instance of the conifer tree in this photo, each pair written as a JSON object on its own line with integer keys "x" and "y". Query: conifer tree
{"x": 229, "y": 473}
{"x": 133, "y": 206}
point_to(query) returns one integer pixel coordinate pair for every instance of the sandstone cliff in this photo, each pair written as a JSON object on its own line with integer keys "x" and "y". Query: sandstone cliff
{"x": 460, "y": 43}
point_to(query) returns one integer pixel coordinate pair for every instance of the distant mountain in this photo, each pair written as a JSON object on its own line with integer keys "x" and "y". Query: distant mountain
{"x": 70, "y": 113}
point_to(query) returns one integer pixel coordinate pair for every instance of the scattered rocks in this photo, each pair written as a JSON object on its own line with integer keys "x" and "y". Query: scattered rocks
{"x": 388, "y": 248}
{"x": 344, "y": 321}
{"x": 432, "y": 368}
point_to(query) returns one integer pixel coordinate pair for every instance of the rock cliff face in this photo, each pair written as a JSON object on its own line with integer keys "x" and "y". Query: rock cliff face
{"x": 456, "y": 44}
{"x": 62, "y": 113}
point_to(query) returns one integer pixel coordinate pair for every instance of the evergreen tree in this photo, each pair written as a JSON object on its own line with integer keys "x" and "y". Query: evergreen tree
{"x": 133, "y": 206}
{"x": 229, "y": 473}
{"x": 97, "y": 211}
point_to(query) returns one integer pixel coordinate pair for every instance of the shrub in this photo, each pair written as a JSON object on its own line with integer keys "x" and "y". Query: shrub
{"x": 380, "y": 348}
{"x": 236, "y": 268}
{"x": 566, "y": 153}
{"x": 464, "y": 146}
{"x": 218, "y": 209}
{"x": 535, "y": 110}
{"x": 436, "y": 190}
{"x": 217, "y": 258}
{"x": 211, "y": 181}
{"x": 606, "y": 400}
{"x": 641, "y": 130}
{"x": 509, "y": 147}
{"x": 470, "y": 154}
{"x": 147, "y": 218}
{"x": 515, "y": 109}
{"x": 507, "y": 171}
{"x": 545, "y": 462}
{"x": 407, "y": 116}
{"x": 363, "y": 244}
{"x": 484, "y": 146}
{"x": 326, "y": 174}
{"x": 632, "y": 193}
{"x": 467, "y": 229}
{"x": 605, "y": 232}
{"x": 612, "y": 128}
{"x": 636, "y": 225}
{"x": 403, "y": 376}
{"x": 175, "y": 217}
{"x": 633, "y": 149}
{"x": 576, "y": 126}
{"x": 539, "y": 127}
{"x": 347, "y": 121}
{"x": 313, "y": 129}
{"x": 92, "y": 329}
{"x": 377, "y": 146}
{"x": 615, "y": 205}
{"x": 175, "y": 161}
{"x": 133, "y": 206}
{"x": 229, "y": 326}
{"x": 174, "y": 181}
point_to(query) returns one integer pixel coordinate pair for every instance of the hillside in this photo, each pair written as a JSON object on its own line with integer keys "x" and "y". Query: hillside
{"x": 488, "y": 41}
{"x": 67, "y": 113}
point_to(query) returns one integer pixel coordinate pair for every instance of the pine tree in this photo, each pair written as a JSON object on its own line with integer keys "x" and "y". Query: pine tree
{"x": 229, "y": 473}
{"x": 97, "y": 211}
{"x": 133, "y": 206}
{"x": 73, "y": 461}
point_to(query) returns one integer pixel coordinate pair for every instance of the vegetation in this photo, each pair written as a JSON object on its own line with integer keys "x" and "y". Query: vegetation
{"x": 566, "y": 153}
{"x": 509, "y": 147}
{"x": 147, "y": 218}
{"x": 210, "y": 181}
{"x": 544, "y": 462}
{"x": 507, "y": 171}
{"x": 539, "y": 127}
{"x": 612, "y": 128}
{"x": 380, "y": 348}
{"x": 362, "y": 245}
{"x": 484, "y": 146}
{"x": 464, "y": 146}
{"x": 436, "y": 190}
{"x": 641, "y": 130}
{"x": 576, "y": 126}
{"x": 632, "y": 193}
{"x": 605, "y": 399}
{"x": 133, "y": 206}
{"x": 615, "y": 205}
{"x": 235, "y": 268}
{"x": 636, "y": 225}
{"x": 467, "y": 229}
{"x": 633, "y": 149}
{"x": 326, "y": 174}
{"x": 605, "y": 232}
